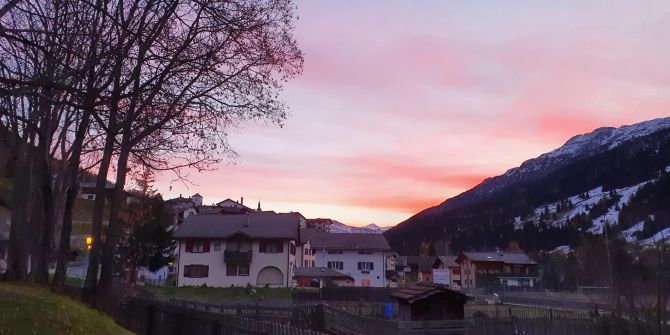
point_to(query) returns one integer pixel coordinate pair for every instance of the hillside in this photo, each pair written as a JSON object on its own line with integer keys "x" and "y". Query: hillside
{"x": 507, "y": 208}
{"x": 32, "y": 310}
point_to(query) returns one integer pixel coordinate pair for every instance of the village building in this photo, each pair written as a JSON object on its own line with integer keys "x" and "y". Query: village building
{"x": 180, "y": 208}
{"x": 305, "y": 253}
{"x": 497, "y": 269}
{"x": 320, "y": 224}
{"x": 257, "y": 249}
{"x": 361, "y": 256}
{"x": 230, "y": 206}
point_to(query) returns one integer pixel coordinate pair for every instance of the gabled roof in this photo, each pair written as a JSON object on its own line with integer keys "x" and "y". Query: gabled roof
{"x": 515, "y": 257}
{"x": 318, "y": 272}
{"x": 449, "y": 261}
{"x": 196, "y": 195}
{"x": 233, "y": 201}
{"x": 254, "y": 225}
{"x": 419, "y": 291}
{"x": 350, "y": 241}
{"x": 306, "y": 234}
{"x": 424, "y": 264}
{"x": 179, "y": 201}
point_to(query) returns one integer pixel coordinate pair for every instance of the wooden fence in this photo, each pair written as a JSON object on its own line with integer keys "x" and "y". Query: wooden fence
{"x": 149, "y": 318}
{"x": 524, "y": 312}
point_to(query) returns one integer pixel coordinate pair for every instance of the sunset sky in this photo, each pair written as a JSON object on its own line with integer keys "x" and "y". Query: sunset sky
{"x": 404, "y": 104}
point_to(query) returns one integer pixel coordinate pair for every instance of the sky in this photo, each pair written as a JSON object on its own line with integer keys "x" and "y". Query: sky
{"x": 403, "y": 104}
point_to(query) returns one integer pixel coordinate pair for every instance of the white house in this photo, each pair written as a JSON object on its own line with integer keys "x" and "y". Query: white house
{"x": 360, "y": 256}
{"x": 257, "y": 249}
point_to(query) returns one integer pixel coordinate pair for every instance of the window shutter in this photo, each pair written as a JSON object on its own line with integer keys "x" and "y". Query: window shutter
{"x": 189, "y": 246}
{"x": 262, "y": 246}
{"x": 187, "y": 271}
{"x": 280, "y": 247}
{"x": 206, "y": 269}
{"x": 372, "y": 266}
{"x": 360, "y": 265}
{"x": 205, "y": 247}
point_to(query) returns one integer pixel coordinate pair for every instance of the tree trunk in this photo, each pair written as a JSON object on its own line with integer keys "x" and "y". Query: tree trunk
{"x": 19, "y": 246}
{"x": 98, "y": 212}
{"x": 71, "y": 196}
{"x": 113, "y": 229}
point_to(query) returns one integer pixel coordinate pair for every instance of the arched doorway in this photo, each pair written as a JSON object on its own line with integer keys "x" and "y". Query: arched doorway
{"x": 271, "y": 276}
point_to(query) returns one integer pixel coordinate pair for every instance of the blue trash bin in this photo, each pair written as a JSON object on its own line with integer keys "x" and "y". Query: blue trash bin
{"x": 387, "y": 311}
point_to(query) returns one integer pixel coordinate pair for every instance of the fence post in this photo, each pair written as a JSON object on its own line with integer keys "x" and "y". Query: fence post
{"x": 551, "y": 314}
{"x": 150, "y": 319}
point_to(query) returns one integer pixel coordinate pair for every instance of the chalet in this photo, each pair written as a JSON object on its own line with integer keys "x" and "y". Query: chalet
{"x": 320, "y": 224}
{"x": 230, "y": 206}
{"x": 305, "y": 253}
{"x": 257, "y": 249}
{"x": 180, "y": 208}
{"x": 430, "y": 269}
{"x": 87, "y": 190}
{"x": 495, "y": 269}
{"x": 361, "y": 256}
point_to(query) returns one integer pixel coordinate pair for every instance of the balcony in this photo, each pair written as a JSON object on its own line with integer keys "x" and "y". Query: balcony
{"x": 236, "y": 257}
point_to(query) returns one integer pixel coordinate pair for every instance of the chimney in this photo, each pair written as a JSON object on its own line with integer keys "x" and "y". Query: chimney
{"x": 241, "y": 200}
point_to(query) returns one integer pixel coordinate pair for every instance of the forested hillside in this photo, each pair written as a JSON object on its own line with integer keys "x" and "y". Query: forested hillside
{"x": 515, "y": 212}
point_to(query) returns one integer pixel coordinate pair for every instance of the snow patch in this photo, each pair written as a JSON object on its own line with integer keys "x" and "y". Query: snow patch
{"x": 660, "y": 236}
{"x": 563, "y": 249}
{"x": 628, "y": 234}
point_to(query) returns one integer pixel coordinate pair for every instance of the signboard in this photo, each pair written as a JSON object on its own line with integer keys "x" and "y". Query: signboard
{"x": 441, "y": 276}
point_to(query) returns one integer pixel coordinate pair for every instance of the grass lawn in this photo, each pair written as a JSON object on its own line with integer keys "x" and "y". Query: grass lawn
{"x": 27, "y": 309}
{"x": 224, "y": 295}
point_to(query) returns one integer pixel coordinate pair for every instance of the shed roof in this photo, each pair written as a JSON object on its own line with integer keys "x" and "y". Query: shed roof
{"x": 419, "y": 291}
{"x": 318, "y": 272}
{"x": 254, "y": 225}
{"x": 350, "y": 241}
{"x": 504, "y": 257}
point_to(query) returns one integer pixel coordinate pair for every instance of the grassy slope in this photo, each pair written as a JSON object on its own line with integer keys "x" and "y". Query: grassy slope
{"x": 28, "y": 309}
{"x": 227, "y": 295}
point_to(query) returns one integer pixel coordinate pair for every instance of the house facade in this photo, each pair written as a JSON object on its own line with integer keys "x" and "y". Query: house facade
{"x": 486, "y": 270}
{"x": 360, "y": 256}
{"x": 257, "y": 249}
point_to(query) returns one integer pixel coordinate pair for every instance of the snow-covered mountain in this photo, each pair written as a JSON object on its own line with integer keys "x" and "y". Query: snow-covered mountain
{"x": 578, "y": 147}
{"x": 596, "y": 173}
{"x": 339, "y": 227}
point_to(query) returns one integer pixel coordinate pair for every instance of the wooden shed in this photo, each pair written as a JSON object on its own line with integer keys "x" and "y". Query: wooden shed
{"x": 428, "y": 301}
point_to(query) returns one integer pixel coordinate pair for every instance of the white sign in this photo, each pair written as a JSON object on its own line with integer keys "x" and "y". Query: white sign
{"x": 441, "y": 276}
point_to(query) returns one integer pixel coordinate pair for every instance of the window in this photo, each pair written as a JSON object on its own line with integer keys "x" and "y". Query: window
{"x": 365, "y": 282}
{"x": 336, "y": 265}
{"x": 217, "y": 246}
{"x": 456, "y": 271}
{"x": 197, "y": 246}
{"x": 366, "y": 266}
{"x": 237, "y": 270}
{"x": 312, "y": 263}
{"x": 196, "y": 271}
{"x": 365, "y": 252}
{"x": 334, "y": 252}
{"x": 90, "y": 197}
{"x": 306, "y": 263}
{"x": 271, "y": 247}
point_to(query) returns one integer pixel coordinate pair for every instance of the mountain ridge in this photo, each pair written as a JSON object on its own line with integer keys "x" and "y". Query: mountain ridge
{"x": 483, "y": 217}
